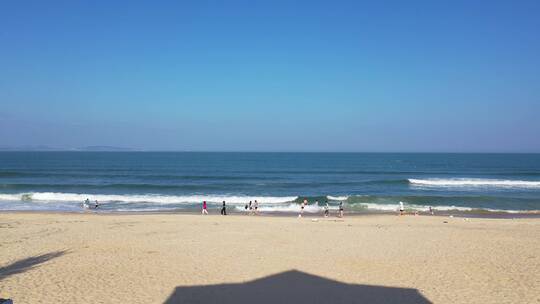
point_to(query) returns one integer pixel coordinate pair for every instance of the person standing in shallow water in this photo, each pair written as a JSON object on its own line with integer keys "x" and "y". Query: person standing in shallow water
{"x": 340, "y": 209}
{"x": 223, "y": 209}
{"x": 86, "y": 204}
{"x": 326, "y": 209}
{"x": 302, "y": 206}
{"x": 204, "y": 208}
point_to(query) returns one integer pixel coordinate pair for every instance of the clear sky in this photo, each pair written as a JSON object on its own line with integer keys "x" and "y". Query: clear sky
{"x": 459, "y": 76}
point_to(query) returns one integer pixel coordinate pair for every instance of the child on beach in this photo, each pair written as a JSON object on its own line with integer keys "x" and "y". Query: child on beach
{"x": 302, "y": 206}
{"x": 204, "y": 210}
{"x": 326, "y": 209}
{"x": 86, "y": 204}
{"x": 223, "y": 209}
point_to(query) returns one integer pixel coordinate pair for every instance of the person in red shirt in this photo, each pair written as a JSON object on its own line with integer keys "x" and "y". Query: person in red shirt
{"x": 204, "y": 209}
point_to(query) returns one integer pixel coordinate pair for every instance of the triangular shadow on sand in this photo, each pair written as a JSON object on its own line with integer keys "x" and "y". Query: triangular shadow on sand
{"x": 26, "y": 264}
{"x": 294, "y": 287}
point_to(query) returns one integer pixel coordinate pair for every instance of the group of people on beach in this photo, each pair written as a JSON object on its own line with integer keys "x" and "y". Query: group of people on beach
{"x": 223, "y": 210}
{"x": 326, "y": 208}
{"x": 88, "y": 205}
{"x": 415, "y": 212}
{"x": 252, "y": 208}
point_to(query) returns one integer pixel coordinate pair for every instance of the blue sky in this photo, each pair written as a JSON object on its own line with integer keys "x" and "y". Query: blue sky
{"x": 457, "y": 76}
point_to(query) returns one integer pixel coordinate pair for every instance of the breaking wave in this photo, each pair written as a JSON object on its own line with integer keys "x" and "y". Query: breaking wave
{"x": 337, "y": 198}
{"x": 147, "y": 198}
{"x": 474, "y": 182}
{"x": 291, "y": 204}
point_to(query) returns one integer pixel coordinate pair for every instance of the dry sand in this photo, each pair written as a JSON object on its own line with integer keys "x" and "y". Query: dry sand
{"x": 175, "y": 258}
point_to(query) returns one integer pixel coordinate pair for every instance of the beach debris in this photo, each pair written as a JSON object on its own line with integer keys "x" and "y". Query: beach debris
{"x": 445, "y": 222}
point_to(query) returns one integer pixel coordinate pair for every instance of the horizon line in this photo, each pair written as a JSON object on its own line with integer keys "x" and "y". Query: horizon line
{"x": 128, "y": 150}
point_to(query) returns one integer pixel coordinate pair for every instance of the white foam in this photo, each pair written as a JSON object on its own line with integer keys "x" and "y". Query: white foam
{"x": 293, "y": 208}
{"x": 474, "y": 182}
{"x": 337, "y": 198}
{"x": 395, "y": 207}
{"x": 72, "y": 201}
{"x": 147, "y": 198}
{"x": 380, "y": 207}
{"x": 10, "y": 197}
{"x": 145, "y": 209}
{"x": 425, "y": 208}
{"x": 448, "y": 208}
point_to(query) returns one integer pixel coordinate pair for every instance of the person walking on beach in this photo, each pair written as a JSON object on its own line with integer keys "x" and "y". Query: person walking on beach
{"x": 250, "y": 208}
{"x": 401, "y": 208}
{"x": 326, "y": 209}
{"x": 340, "y": 209}
{"x": 204, "y": 208}
{"x": 302, "y": 206}
{"x": 256, "y": 207}
{"x": 246, "y": 207}
{"x": 223, "y": 209}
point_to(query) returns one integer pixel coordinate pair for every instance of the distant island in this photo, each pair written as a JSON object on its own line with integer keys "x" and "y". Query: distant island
{"x": 104, "y": 149}
{"x": 80, "y": 149}
{"x": 31, "y": 148}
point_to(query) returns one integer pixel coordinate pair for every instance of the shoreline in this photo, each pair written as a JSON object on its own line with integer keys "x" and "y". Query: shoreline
{"x": 459, "y": 214}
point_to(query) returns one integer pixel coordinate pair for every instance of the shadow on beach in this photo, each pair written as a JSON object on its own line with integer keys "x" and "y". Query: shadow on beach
{"x": 294, "y": 287}
{"x": 23, "y": 265}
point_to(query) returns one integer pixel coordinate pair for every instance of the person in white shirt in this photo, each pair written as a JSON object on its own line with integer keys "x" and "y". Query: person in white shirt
{"x": 256, "y": 207}
{"x": 86, "y": 204}
{"x": 326, "y": 209}
{"x": 302, "y": 206}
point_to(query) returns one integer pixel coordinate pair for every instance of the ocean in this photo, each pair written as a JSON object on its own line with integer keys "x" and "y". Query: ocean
{"x": 180, "y": 181}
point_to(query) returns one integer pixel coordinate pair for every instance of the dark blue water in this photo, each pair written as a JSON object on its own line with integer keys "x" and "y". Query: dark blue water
{"x": 364, "y": 181}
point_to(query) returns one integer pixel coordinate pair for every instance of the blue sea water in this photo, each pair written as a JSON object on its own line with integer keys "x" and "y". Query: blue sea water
{"x": 365, "y": 182}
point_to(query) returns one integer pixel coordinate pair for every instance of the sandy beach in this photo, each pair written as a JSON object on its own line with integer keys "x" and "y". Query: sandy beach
{"x": 179, "y": 258}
